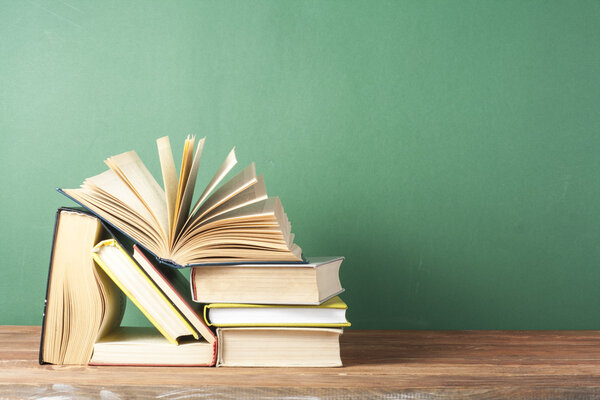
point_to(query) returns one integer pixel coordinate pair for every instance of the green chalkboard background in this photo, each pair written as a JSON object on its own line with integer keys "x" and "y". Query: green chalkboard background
{"x": 449, "y": 149}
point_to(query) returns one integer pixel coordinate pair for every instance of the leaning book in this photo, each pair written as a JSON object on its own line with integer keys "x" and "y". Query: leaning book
{"x": 82, "y": 302}
{"x": 232, "y": 221}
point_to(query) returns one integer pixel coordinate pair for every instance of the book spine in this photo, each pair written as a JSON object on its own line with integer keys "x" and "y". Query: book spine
{"x": 41, "y": 354}
{"x": 97, "y": 364}
{"x": 215, "y": 349}
{"x": 193, "y": 283}
{"x": 206, "y": 307}
{"x": 180, "y": 313}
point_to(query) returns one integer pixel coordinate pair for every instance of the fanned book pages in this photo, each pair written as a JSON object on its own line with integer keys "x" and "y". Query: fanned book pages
{"x": 232, "y": 221}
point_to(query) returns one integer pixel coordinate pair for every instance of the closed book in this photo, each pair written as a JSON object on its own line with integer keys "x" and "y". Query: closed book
{"x": 147, "y": 347}
{"x": 331, "y": 313}
{"x": 297, "y": 284}
{"x": 279, "y": 347}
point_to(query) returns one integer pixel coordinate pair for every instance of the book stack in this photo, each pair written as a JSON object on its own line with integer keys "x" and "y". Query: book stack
{"x": 274, "y": 314}
{"x": 131, "y": 237}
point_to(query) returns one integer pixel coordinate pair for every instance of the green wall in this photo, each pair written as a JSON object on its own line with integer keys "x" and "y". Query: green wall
{"x": 449, "y": 149}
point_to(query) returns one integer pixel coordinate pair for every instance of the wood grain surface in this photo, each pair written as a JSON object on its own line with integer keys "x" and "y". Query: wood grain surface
{"x": 377, "y": 364}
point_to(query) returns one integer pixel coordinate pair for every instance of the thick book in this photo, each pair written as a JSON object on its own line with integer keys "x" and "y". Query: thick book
{"x": 82, "y": 303}
{"x": 231, "y": 222}
{"x": 300, "y": 284}
{"x": 331, "y": 313}
{"x": 279, "y": 347}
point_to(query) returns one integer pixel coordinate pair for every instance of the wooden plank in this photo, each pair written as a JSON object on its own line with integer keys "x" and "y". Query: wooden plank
{"x": 62, "y": 391}
{"x": 452, "y": 364}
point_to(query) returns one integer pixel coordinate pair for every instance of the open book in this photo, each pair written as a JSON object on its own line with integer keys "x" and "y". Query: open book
{"x": 231, "y": 222}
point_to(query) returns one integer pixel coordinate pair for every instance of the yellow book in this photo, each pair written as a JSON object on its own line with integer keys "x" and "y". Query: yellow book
{"x": 331, "y": 313}
{"x": 145, "y": 293}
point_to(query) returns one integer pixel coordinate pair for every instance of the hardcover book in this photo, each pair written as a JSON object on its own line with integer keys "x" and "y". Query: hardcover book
{"x": 82, "y": 302}
{"x": 331, "y": 313}
{"x": 147, "y": 347}
{"x": 305, "y": 284}
{"x": 279, "y": 347}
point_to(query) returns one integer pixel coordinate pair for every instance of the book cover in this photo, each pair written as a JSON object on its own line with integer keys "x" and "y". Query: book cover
{"x": 55, "y": 231}
{"x": 175, "y": 289}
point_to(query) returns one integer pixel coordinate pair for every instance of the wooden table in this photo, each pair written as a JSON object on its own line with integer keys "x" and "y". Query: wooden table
{"x": 416, "y": 364}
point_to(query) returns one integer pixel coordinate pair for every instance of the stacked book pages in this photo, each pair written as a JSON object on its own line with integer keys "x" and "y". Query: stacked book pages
{"x": 252, "y": 298}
